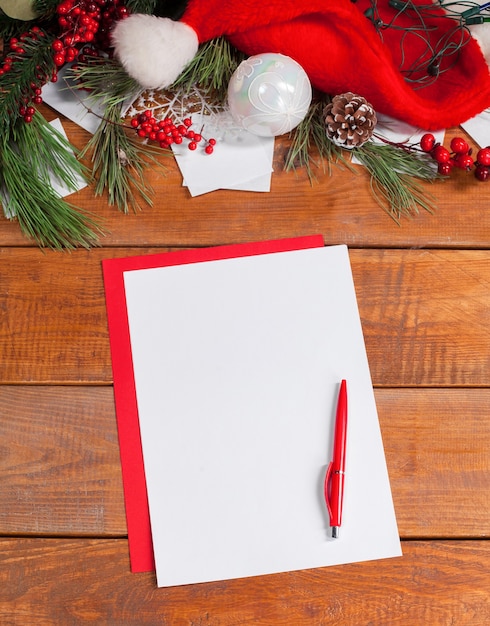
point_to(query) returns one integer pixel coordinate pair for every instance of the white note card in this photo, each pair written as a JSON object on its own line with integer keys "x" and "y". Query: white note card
{"x": 237, "y": 366}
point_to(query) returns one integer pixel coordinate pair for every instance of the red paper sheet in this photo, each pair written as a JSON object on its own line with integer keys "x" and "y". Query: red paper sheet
{"x": 133, "y": 473}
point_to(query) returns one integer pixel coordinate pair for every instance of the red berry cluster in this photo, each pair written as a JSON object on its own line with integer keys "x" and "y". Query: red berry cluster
{"x": 85, "y": 21}
{"x": 165, "y": 132}
{"x": 85, "y": 27}
{"x": 15, "y": 50}
{"x": 460, "y": 155}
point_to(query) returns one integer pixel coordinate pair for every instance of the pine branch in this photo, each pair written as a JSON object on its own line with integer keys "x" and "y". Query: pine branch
{"x": 45, "y": 7}
{"x": 16, "y": 83}
{"x": 28, "y": 194}
{"x": 311, "y": 131}
{"x": 395, "y": 178}
{"x": 105, "y": 79}
{"x": 119, "y": 162}
{"x": 119, "y": 159}
{"x": 48, "y": 153}
{"x": 211, "y": 68}
{"x": 141, "y": 6}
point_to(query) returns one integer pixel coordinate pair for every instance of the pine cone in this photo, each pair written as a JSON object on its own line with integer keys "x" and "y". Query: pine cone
{"x": 350, "y": 120}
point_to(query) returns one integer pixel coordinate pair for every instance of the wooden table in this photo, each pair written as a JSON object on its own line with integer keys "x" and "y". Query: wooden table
{"x": 424, "y": 298}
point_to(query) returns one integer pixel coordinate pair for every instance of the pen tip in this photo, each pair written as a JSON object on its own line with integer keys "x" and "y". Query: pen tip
{"x": 335, "y": 532}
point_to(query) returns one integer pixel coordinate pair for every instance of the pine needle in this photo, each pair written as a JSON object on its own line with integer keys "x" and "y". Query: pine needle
{"x": 49, "y": 154}
{"x": 119, "y": 162}
{"x": 311, "y": 132}
{"x": 29, "y": 197}
{"x": 211, "y": 68}
{"x": 119, "y": 159}
{"x": 395, "y": 179}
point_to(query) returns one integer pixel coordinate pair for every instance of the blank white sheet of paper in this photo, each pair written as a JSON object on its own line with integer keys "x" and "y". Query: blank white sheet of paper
{"x": 237, "y": 366}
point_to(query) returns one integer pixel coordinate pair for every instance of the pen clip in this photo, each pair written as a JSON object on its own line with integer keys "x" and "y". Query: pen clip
{"x": 326, "y": 487}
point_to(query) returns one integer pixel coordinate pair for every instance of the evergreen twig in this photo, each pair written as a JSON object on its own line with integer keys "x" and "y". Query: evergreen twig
{"x": 141, "y": 6}
{"x": 17, "y": 82}
{"x": 311, "y": 131}
{"x": 211, "y": 68}
{"x": 28, "y": 194}
{"x": 395, "y": 178}
{"x": 119, "y": 159}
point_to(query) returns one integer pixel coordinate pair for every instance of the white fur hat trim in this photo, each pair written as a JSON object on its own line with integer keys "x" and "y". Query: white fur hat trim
{"x": 154, "y": 50}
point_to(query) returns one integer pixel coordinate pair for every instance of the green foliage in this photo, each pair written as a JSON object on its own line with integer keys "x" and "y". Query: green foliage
{"x": 119, "y": 162}
{"x": 45, "y": 7}
{"x": 308, "y": 134}
{"x": 29, "y": 156}
{"x": 395, "y": 178}
{"x": 15, "y": 84}
{"x": 119, "y": 159}
{"x": 211, "y": 68}
{"x": 141, "y": 6}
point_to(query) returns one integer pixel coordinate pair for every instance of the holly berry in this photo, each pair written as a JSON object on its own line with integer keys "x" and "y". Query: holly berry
{"x": 445, "y": 168}
{"x": 482, "y": 173}
{"x": 483, "y": 156}
{"x": 464, "y": 161}
{"x": 166, "y": 133}
{"x": 459, "y": 145}
{"x": 441, "y": 154}
{"x": 427, "y": 142}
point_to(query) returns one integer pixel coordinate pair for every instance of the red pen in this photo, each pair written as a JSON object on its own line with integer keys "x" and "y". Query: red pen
{"x": 334, "y": 478}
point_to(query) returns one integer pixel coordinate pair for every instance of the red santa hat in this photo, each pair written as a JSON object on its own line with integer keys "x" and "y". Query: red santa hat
{"x": 409, "y": 61}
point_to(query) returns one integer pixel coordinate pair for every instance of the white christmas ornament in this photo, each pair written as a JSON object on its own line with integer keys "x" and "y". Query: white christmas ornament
{"x": 269, "y": 94}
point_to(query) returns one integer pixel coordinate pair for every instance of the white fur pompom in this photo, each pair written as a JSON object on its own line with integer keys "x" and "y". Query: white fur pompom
{"x": 481, "y": 32}
{"x": 154, "y": 50}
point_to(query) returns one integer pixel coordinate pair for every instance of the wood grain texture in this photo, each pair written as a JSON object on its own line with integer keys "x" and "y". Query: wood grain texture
{"x": 340, "y": 206}
{"x": 60, "y": 468}
{"x": 424, "y": 297}
{"x": 425, "y": 315}
{"x": 73, "y": 582}
{"x": 59, "y": 462}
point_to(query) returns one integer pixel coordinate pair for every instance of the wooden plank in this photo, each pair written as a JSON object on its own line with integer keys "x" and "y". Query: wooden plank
{"x": 341, "y": 206}
{"x": 61, "y": 472}
{"x": 59, "y": 462}
{"x": 425, "y": 315}
{"x": 73, "y": 582}
{"x": 436, "y": 443}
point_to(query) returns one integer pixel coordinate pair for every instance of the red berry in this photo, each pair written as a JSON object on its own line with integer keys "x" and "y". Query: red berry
{"x": 459, "y": 145}
{"x": 483, "y": 156}
{"x": 209, "y": 149}
{"x": 427, "y": 142}
{"x": 212, "y": 141}
{"x": 464, "y": 161}
{"x": 59, "y": 59}
{"x": 482, "y": 173}
{"x": 445, "y": 168}
{"x": 188, "y": 121}
{"x": 192, "y": 145}
{"x": 441, "y": 154}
